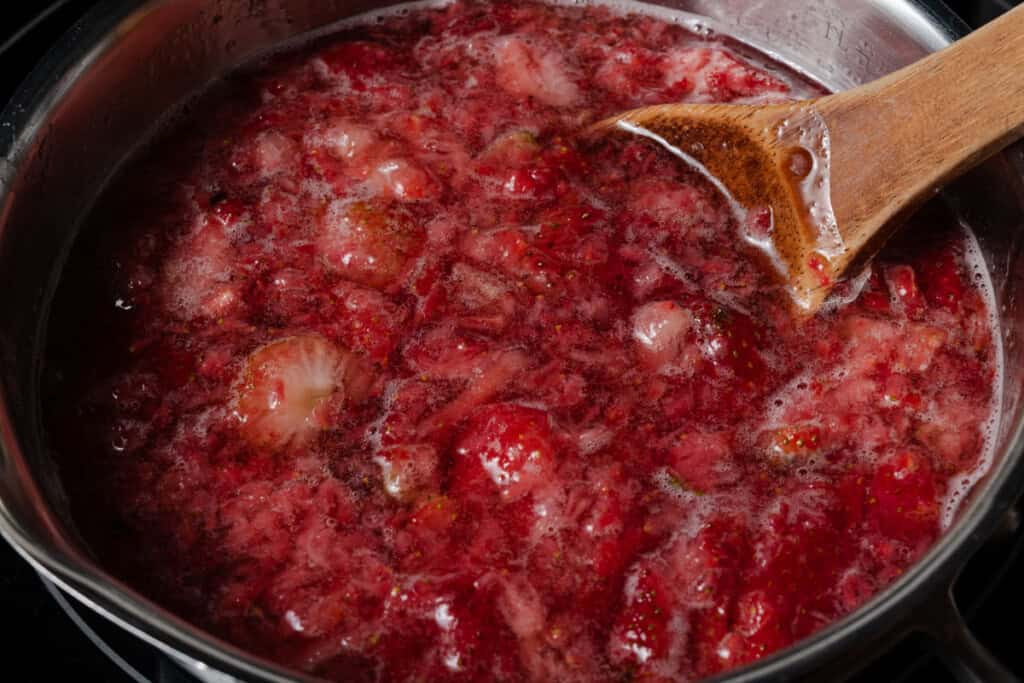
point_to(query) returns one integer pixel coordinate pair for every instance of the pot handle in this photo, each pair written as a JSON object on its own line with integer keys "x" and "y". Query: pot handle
{"x": 964, "y": 657}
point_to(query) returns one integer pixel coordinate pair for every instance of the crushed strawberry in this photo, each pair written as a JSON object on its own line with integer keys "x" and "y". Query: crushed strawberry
{"x": 506, "y": 449}
{"x": 378, "y": 368}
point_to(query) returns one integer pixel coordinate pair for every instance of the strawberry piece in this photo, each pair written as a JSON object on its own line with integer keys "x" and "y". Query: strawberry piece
{"x": 714, "y": 647}
{"x": 369, "y": 242}
{"x": 703, "y": 460}
{"x": 436, "y": 514}
{"x": 345, "y": 140}
{"x": 762, "y": 619}
{"x": 716, "y": 74}
{"x": 275, "y": 154}
{"x": 524, "y": 169}
{"x": 521, "y": 606}
{"x": 424, "y": 532}
{"x": 504, "y": 248}
{"x": 279, "y": 210}
{"x": 855, "y": 588}
{"x": 495, "y": 372}
{"x": 609, "y": 531}
{"x": 673, "y": 209}
{"x": 285, "y": 387}
{"x": 512, "y": 251}
{"x": 559, "y": 389}
{"x": 904, "y": 502}
{"x": 661, "y": 330}
{"x": 612, "y": 555}
{"x": 620, "y": 539}
{"x": 560, "y": 155}
{"x": 732, "y": 340}
{"x": 902, "y": 284}
{"x": 199, "y": 274}
{"x": 447, "y": 354}
{"x": 802, "y": 552}
{"x": 798, "y": 441}
{"x": 529, "y": 70}
{"x": 706, "y": 569}
{"x": 899, "y": 391}
{"x": 370, "y": 322}
{"x": 562, "y": 228}
{"x": 631, "y": 72}
{"x": 875, "y": 296}
{"x": 477, "y": 643}
{"x": 530, "y": 181}
{"x": 404, "y": 180}
{"x": 215, "y": 363}
{"x": 228, "y": 211}
{"x": 482, "y": 293}
{"x": 505, "y": 449}
{"x": 941, "y": 280}
{"x": 514, "y": 149}
{"x": 360, "y": 61}
{"x": 876, "y": 301}
{"x": 408, "y": 470}
{"x": 640, "y": 634}
{"x": 920, "y": 345}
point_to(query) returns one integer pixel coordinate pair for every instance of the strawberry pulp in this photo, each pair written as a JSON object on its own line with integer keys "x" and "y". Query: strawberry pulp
{"x": 373, "y": 369}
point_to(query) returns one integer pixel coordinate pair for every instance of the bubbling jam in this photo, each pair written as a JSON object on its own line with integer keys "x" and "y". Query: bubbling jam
{"x": 370, "y": 367}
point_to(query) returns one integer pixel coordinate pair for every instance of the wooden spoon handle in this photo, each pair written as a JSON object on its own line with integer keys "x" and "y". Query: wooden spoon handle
{"x": 937, "y": 118}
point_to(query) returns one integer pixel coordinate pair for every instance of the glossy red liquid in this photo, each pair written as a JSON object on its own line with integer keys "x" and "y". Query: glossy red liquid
{"x": 370, "y": 368}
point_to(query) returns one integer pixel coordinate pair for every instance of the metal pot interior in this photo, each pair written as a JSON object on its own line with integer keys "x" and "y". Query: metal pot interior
{"x": 104, "y": 88}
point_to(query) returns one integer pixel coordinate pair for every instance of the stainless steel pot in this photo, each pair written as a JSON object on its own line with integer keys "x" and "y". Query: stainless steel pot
{"x": 105, "y": 84}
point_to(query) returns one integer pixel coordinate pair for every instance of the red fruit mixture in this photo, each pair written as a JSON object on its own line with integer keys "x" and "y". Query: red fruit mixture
{"x": 372, "y": 369}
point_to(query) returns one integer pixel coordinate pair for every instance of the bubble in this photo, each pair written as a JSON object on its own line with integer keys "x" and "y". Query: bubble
{"x": 800, "y": 163}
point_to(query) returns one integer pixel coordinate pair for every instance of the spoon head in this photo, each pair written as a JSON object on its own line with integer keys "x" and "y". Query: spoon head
{"x": 771, "y": 165}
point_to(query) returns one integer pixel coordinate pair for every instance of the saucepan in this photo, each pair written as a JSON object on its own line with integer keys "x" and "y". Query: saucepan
{"x": 123, "y": 67}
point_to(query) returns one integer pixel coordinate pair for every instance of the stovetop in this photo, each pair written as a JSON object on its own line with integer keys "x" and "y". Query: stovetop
{"x": 47, "y": 638}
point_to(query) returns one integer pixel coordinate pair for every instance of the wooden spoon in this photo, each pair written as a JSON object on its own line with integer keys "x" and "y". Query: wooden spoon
{"x": 839, "y": 172}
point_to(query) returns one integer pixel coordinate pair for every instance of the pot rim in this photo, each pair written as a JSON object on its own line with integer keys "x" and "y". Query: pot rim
{"x": 20, "y": 124}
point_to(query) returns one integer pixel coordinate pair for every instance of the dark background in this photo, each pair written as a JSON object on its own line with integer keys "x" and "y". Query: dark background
{"x": 41, "y": 643}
